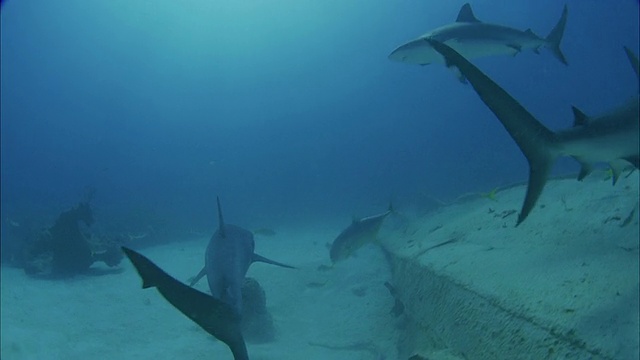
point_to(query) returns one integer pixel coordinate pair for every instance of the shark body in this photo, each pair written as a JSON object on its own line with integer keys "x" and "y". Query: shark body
{"x": 473, "y": 38}
{"x": 611, "y": 138}
{"x": 229, "y": 254}
{"x": 356, "y": 235}
{"x": 214, "y": 316}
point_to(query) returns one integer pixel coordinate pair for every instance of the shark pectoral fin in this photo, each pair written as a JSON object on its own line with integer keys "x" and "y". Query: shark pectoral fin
{"x": 458, "y": 74}
{"x": 579, "y": 117}
{"x": 258, "y": 258}
{"x": 194, "y": 280}
{"x": 633, "y": 59}
{"x": 516, "y": 47}
{"x": 585, "y": 169}
{"x": 634, "y": 160}
{"x": 451, "y": 66}
{"x": 538, "y": 173}
{"x": 531, "y": 33}
{"x": 617, "y": 167}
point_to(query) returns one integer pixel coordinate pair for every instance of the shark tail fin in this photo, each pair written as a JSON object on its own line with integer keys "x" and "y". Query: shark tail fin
{"x": 539, "y": 169}
{"x": 555, "y": 37}
{"x": 148, "y": 271}
{"x": 537, "y": 142}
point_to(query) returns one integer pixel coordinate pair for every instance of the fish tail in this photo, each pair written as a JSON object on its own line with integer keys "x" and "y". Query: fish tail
{"x": 555, "y": 37}
{"x": 149, "y": 272}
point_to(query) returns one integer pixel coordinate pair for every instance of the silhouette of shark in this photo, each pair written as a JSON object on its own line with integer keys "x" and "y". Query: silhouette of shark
{"x": 612, "y": 138}
{"x": 227, "y": 259}
{"x": 356, "y": 235}
{"x": 214, "y": 316}
{"x": 473, "y": 38}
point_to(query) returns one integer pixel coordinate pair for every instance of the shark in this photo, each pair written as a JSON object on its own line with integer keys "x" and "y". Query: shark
{"x": 229, "y": 254}
{"x": 356, "y": 235}
{"x": 611, "y": 138}
{"x": 473, "y": 38}
{"x": 213, "y": 315}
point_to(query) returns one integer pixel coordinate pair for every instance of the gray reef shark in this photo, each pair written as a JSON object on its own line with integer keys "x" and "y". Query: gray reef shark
{"x": 214, "y": 316}
{"x": 473, "y": 38}
{"x": 611, "y": 138}
{"x": 356, "y": 235}
{"x": 228, "y": 256}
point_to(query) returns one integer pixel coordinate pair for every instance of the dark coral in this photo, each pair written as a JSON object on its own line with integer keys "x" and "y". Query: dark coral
{"x": 257, "y": 323}
{"x": 63, "y": 250}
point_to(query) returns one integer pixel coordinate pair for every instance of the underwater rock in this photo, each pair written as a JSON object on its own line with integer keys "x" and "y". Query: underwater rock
{"x": 63, "y": 250}
{"x": 257, "y": 323}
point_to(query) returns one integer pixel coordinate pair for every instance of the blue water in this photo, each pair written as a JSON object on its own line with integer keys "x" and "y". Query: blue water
{"x": 289, "y": 110}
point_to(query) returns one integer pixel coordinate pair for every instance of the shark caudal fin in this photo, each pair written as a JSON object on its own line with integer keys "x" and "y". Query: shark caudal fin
{"x": 150, "y": 273}
{"x": 214, "y": 316}
{"x": 536, "y": 142}
{"x": 555, "y": 37}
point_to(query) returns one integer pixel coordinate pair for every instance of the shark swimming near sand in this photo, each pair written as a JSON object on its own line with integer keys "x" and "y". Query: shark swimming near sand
{"x": 214, "y": 316}
{"x": 227, "y": 259}
{"x": 473, "y": 38}
{"x": 356, "y": 235}
{"x": 611, "y": 138}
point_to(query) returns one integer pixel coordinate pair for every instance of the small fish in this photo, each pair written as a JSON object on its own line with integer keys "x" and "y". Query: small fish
{"x": 264, "y": 232}
{"x": 359, "y": 233}
{"x": 137, "y": 236}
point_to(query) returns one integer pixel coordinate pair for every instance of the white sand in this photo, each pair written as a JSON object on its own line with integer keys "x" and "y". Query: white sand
{"x": 111, "y": 317}
{"x": 570, "y": 269}
{"x": 570, "y": 266}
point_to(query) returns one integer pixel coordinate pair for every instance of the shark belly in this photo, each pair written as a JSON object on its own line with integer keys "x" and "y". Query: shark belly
{"x": 470, "y": 40}
{"x": 604, "y": 149}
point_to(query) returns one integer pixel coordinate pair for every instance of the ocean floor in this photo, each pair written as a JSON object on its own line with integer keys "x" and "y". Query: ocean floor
{"x": 342, "y": 313}
{"x": 565, "y": 283}
{"x": 561, "y": 285}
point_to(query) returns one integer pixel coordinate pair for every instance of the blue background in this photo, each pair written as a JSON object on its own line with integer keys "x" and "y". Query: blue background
{"x": 289, "y": 110}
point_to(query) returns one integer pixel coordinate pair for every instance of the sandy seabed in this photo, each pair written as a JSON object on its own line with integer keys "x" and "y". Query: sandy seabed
{"x": 576, "y": 255}
{"x": 111, "y": 317}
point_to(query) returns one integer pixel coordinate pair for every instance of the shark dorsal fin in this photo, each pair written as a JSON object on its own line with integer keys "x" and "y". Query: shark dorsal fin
{"x": 579, "y": 118}
{"x": 220, "y": 219}
{"x": 466, "y": 14}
